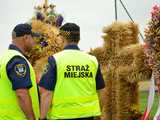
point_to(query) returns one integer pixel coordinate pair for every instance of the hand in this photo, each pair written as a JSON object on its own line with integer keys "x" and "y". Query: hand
{"x": 103, "y": 117}
{"x": 97, "y": 118}
{"x": 42, "y": 118}
{"x": 32, "y": 118}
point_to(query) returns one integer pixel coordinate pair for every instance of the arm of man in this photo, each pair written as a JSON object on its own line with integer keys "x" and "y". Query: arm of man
{"x": 102, "y": 97}
{"x": 19, "y": 74}
{"x": 46, "y": 100}
{"x": 101, "y": 90}
{"x": 47, "y": 85}
{"x": 25, "y": 103}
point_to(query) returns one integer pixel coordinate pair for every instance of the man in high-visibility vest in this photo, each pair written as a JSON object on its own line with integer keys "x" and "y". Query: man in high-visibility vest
{"x": 71, "y": 81}
{"x": 18, "y": 89}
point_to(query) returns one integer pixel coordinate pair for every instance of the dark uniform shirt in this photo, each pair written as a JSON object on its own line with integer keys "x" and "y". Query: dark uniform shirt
{"x": 18, "y": 71}
{"x": 48, "y": 79}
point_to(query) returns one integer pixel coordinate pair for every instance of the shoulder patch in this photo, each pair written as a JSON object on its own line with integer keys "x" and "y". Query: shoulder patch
{"x": 20, "y": 70}
{"x": 46, "y": 68}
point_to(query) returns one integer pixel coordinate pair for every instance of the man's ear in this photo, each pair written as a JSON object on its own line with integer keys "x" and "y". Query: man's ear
{"x": 25, "y": 37}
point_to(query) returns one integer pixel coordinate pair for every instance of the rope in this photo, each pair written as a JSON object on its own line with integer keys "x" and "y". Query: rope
{"x": 116, "y": 15}
{"x": 130, "y": 17}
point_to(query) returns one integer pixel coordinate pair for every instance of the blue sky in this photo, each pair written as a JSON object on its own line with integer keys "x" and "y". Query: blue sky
{"x": 91, "y": 15}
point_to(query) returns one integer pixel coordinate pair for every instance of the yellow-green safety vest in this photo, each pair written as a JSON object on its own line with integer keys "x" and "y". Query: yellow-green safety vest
{"x": 9, "y": 106}
{"x": 75, "y": 94}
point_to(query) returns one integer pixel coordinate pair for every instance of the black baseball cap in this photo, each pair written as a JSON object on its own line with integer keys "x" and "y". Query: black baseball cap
{"x": 70, "y": 31}
{"x": 24, "y": 29}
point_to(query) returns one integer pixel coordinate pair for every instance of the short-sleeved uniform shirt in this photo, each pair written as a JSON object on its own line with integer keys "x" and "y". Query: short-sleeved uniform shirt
{"x": 18, "y": 71}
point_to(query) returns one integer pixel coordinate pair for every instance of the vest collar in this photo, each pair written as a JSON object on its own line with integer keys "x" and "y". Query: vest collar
{"x": 73, "y": 46}
{"x": 13, "y": 47}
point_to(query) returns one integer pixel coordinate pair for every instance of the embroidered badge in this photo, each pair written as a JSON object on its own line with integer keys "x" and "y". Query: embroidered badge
{"x": 20, "y": 70}
{"x": 45, "y": 70}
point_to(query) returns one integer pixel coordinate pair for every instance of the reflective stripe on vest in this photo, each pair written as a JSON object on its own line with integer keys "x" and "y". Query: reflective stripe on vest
{"x": 75, "y": 93}
{"x": 9, "y": 106}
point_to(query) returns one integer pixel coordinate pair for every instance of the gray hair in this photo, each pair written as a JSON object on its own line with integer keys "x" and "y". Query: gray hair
{"x": 14, "y": 34}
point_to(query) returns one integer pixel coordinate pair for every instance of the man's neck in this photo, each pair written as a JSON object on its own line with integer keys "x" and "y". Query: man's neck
{"x": 71, "y": 43}
{"x": 19, "y": 47}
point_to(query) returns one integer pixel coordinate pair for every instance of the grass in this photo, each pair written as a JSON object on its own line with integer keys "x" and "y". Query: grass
{"x": 143, "y": 103}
